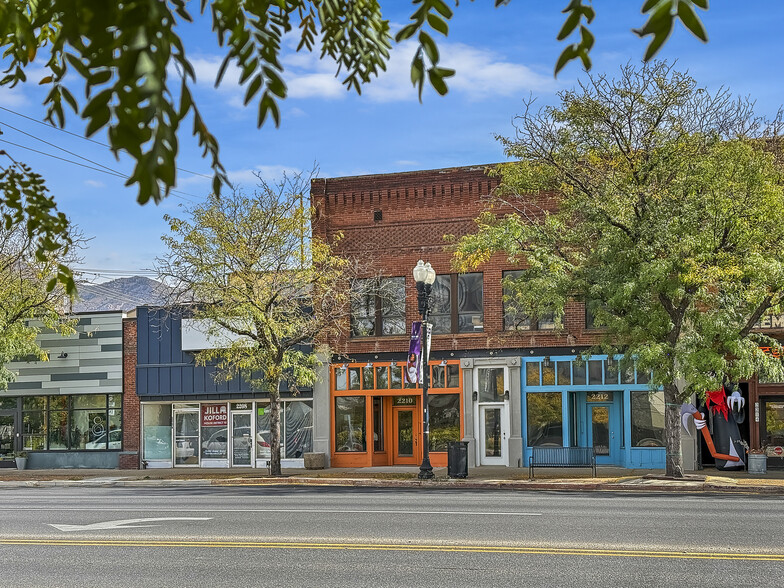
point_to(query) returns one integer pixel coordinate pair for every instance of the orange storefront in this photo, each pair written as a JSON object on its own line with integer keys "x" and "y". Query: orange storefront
{"x": 377, "y": 418}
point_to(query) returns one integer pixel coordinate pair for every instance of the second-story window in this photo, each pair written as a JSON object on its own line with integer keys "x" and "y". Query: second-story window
{"x": 457, "y": 304}
{"x": 379, "y": 307}
{"x": 516, "y": 316}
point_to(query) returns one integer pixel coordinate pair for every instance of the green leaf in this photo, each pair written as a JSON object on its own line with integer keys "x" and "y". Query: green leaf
{"x": 406, "y": 32}
{"x": 692, "y": 21}
{"x": 656, "y": 44}
{"x": 570, "y": 24}
{"x": 701, "y": 4}
{"x": 438, "y": 24}
{"x": 437, "y": 81}
{"x": 429, "y": 46}
{"x": 566, "y": 56}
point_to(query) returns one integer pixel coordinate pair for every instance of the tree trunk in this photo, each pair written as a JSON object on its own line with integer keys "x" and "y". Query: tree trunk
{"x": 672, "y": 431}
{"x": 274, "y": 394}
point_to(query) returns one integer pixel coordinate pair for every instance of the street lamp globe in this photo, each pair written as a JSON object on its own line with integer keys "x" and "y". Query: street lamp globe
{"x": 420, "y": 271}
{"x": 430, "y": 275}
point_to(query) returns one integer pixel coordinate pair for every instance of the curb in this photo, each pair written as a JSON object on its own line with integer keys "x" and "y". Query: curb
{"x": 441, "y": 484}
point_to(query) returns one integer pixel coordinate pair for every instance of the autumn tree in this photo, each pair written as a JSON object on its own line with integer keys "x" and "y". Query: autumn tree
{"x": 250, "y": 272}
{"x": 30, "y": 296}
{"x": 659, "y": 204}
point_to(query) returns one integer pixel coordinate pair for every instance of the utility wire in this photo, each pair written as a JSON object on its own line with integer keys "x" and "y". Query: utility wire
{"x": 87, "y": 138}
{"x": 108, "y": 171}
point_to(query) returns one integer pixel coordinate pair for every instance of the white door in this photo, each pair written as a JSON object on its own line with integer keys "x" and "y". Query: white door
{"x": 492, "y": 385}
{"x": 493, "y": 435}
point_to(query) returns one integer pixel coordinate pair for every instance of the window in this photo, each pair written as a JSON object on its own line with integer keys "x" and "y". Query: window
{"x": 379, "y": 307}
{"x": 545, "y": 422}
{"x": 157, "y": 431}
{"x": 516, "y": 318}
{"x": 350, "y": 424}
{"x": 647, "y": 419}
{"x": 463, "y": 313}
{"x": 444, "y": 420}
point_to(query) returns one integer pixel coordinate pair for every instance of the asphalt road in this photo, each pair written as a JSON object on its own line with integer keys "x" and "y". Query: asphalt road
{"x": 315, "y": 536}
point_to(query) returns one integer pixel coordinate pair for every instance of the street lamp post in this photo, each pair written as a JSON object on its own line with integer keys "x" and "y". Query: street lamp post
{"x": 424, "y": 276}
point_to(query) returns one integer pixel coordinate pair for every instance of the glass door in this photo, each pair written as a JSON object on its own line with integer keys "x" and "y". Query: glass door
{"x": 406, "y": 441}
{"x": 7, "y": 435}
{"x": 186, "y": 438}
{"x": 241, "y": 439}
{"x": 492, "y": 435}
{"x": 602, "y": 433}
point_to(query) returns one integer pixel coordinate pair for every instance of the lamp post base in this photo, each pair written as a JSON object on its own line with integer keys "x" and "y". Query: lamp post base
{"x": 426, "y": 470}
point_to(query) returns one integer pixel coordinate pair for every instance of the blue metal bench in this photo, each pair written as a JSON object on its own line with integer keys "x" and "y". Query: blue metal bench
{"x": 561, "y": 457}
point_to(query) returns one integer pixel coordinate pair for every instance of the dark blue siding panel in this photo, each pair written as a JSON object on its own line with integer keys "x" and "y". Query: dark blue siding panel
{"x": 176, "y": 380}
{"x": 165, "y": 380}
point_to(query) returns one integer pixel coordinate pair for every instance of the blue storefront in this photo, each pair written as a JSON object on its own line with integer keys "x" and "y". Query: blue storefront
{"x": 600, "y": 402}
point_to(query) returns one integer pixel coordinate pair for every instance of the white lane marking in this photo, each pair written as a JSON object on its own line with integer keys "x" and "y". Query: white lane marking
{"x": 285, "y": 510}
{"x": 124, "y": 524}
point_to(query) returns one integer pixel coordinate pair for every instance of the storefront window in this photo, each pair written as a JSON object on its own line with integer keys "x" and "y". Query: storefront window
{"x": 532, "y": 374}
{"x": 396, "y": 377}
{"x": 437, "y": 380}
{"x": 340, "y": 379}
{"x": 263, "y": 431}
{"x": 367, "y": 378}
{"x": 773, "y": 410}
{"x": 545, "y": 422}
{"x": 298, "y": 425}
{"x": 452, "y": 376}
{"x": 647, "y": 419}
{"x": 33, "y": 430}
{"x": 382, "y": 378}
{"x": 491, "y": 384}
{"x": 350, "y": 423}
{"x": 7, "y": 403}
{"x": 353, "y": 378}
{"x": 157, "y": 431}
{"x": 58, "y": 429}
{"x": 444, "y": 420}
{"x": 214, "y": 431}
{"x": 564, "y": 370}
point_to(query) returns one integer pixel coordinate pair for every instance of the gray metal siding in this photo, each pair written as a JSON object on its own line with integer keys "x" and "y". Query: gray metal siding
{"x": 93, "y": 363}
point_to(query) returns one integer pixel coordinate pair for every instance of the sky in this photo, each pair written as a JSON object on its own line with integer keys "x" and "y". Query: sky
{"x": 502, "y": 56}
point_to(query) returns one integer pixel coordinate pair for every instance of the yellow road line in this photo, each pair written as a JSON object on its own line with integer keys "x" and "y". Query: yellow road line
{"x": 513, "y": 550}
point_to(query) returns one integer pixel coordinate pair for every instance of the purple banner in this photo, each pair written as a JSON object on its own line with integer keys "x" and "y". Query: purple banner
{"x": 414, "y": 354}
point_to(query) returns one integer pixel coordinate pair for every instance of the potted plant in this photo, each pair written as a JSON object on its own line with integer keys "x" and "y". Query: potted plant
{"x": 21, "y": 460}
{"x": 758, "y": 460}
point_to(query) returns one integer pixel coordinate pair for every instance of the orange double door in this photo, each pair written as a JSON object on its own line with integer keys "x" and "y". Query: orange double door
{"x": 397, "y": 430}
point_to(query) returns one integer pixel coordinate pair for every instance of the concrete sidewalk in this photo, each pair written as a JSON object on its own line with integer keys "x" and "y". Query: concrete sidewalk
{"x": 485, "y": 477}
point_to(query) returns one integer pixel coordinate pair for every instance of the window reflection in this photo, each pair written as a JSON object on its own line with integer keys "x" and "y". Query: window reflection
{"x": 545, "y": 422}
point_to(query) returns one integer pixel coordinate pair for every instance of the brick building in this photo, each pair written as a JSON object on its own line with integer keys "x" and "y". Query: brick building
{"x": 501, "y": 383}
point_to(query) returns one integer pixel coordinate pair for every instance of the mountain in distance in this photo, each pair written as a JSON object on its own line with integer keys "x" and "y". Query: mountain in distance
{"x": 120, "y": 294}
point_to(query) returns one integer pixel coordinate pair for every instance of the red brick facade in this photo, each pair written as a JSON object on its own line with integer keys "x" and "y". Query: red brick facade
{"x": 416, "y": 210}
{"x": 129, "y": 458}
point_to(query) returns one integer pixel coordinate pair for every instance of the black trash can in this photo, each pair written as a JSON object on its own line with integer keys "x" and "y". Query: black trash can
{"x": 457, "y": 459}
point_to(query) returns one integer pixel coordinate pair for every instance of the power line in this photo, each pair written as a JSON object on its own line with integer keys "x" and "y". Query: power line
{"x": 107, "y": 171}
{"x": 87, "y": 138}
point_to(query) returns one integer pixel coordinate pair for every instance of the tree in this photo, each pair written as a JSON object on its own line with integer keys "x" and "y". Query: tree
{"x": 123, "y": 53}
{"x": 27, "y": 302}
{"x": 660, "y": 205}
{"x": 247, "y": 268}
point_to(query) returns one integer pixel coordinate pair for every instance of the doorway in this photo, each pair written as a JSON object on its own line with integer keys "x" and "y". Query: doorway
{"x": 405, "y": 436}
{"x": 603, "y": 433}
{"x": 492, "y": 435}
{"x": 241, "y": 439}
{"x": 492, "y": 414}
{"x": 7, "y": 435}
{"x": 186, "y": 437}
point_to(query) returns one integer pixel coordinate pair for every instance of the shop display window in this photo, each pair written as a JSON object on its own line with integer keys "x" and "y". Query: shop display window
{"x": 157, "y": 431}
{"x": 444, "y": 420}
{"x": 350, "y": 424}
{"x": 545, "y": 420}
{"x": 647, "y": 419}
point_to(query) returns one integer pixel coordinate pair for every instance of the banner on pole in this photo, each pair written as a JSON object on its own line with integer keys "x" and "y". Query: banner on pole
{"x": 413, "y": 363}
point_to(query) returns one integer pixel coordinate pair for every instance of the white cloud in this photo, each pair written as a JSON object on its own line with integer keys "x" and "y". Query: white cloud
{"x": 481, "y": 75}
{"x": 94, "y": 184}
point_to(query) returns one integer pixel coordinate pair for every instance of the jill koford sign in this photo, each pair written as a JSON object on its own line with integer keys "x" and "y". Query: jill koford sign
{"x": 214, "y": 415}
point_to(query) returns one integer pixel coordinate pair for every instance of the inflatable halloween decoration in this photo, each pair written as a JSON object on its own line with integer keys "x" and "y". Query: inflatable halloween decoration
{"x": 727, "y": 408}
